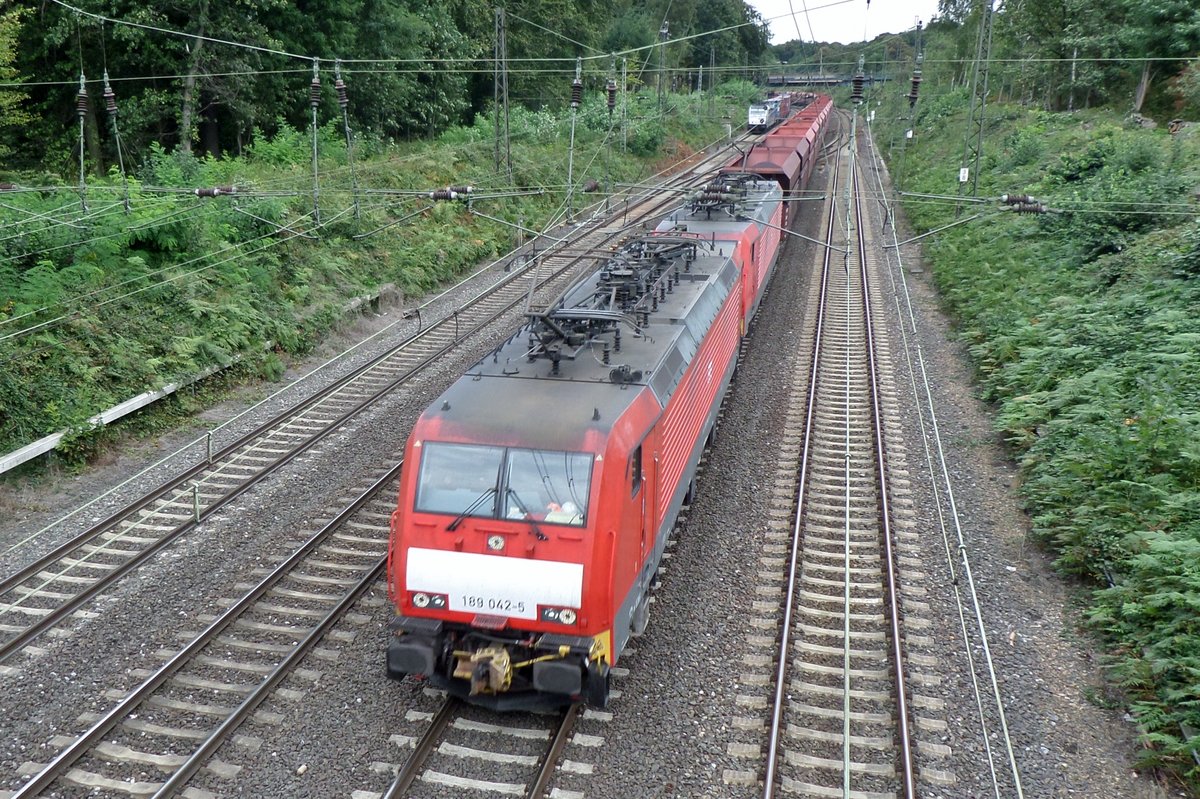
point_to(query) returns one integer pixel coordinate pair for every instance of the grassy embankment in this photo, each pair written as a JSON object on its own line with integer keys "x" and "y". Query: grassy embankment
{"x": 1084, "y": 327}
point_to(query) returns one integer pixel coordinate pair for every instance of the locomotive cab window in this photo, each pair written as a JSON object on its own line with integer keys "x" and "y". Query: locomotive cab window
{"x": 495, "y": 482}
{"x": 459, "y": 478}
{"x": 547, "y": 486}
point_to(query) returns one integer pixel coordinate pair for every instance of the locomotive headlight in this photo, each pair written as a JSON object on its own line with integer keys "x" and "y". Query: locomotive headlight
{"x": 495, "y": 542}
{"x": 422, "y": 599}
{"x": 559, "y": 615}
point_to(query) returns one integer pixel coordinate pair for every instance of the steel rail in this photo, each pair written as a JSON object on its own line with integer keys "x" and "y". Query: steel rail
{"x": 566, "y": 725}
{"x": 424, "y": 747}
{"x": 772, "y": 754}
{"x": 407, "y": 774}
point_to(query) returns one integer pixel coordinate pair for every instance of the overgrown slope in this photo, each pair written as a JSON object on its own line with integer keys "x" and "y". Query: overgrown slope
{"x": 1084, "y": 325}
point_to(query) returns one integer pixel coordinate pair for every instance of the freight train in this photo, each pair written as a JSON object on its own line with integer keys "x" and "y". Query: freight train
{"x": 540, "y": 488}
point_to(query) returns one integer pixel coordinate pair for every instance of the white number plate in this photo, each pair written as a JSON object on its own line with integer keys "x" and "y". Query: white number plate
{"x": 491, "y": 604}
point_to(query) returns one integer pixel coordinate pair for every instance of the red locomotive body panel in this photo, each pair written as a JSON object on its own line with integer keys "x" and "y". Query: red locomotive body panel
{"x": 686, "y": 415}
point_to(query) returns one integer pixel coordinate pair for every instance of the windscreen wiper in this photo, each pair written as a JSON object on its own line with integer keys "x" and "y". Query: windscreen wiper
{"x": 467, "y": 510}
{"x": 528, "y": 516}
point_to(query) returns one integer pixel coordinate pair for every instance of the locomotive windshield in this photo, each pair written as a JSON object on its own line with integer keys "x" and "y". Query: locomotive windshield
{"x": 499, "y": 482}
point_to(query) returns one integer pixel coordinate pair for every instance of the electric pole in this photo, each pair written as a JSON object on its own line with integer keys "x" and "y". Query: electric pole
{"x": 663, "y": 34}
{"x": 503, "y": 160}
{"x": 973, "y": 137}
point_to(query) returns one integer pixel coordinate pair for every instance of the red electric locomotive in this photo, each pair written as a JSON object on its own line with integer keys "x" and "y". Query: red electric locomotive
{"x": 540, "y": 488}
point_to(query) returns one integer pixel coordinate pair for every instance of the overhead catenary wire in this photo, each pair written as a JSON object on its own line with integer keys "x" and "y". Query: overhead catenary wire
{"x": 482, "y": 66}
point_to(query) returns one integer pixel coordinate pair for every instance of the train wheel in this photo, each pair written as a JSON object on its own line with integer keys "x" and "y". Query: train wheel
{"x": 690, "y": 496}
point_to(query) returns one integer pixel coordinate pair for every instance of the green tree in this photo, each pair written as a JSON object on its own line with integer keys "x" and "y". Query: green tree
{"x": 1187, "y": 89}
{"x": 956, "y": 10}
{"x": 12, "y": 115}
{"x": 1065, "y": 50}
{"x": 1159, "y": 29}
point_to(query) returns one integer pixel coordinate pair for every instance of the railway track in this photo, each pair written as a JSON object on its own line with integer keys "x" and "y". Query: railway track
{"x": 173, "y": 723}
{"x": 45, "y": 593}
{"x": 464, "y": 750}
{"x": 836, "y": 708}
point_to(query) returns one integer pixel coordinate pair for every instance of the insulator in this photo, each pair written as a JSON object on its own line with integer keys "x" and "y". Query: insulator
{"x": 443, "y": 194}
{"x": 1030, "y": 208}
{"x": 612, "y": 95}
{"x": 576, "y": 93}
{"x": 856, "y": 95}
{"x": 314, "y": 92}
{"x": 81, "y": 102}
{"x": 1017, "y": 199}
{"x": 916, "y": 87}
{"x": 215, "y": 191}
{"x": 461, "y": 189}
{"x": 110, "y": 97}
{"x": 339, "y": 86}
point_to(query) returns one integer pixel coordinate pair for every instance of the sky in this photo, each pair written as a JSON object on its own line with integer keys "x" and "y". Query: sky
{"x": 844, "y": 21}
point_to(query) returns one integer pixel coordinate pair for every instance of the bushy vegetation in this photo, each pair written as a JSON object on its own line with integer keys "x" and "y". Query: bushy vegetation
{"x": 1083, "y": 327}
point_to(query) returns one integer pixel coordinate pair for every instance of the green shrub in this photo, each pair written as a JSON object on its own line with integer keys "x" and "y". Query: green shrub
{"x": 1083, "y": 328}
{"x": 1025, "y": 146}
{"x": 646, "y": 137}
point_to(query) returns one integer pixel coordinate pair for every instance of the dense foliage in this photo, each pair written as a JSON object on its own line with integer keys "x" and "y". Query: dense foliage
{"x": 1057, "y": 54}
{"x": 412, "y": 67}
{"x": 1083, "y": 327}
